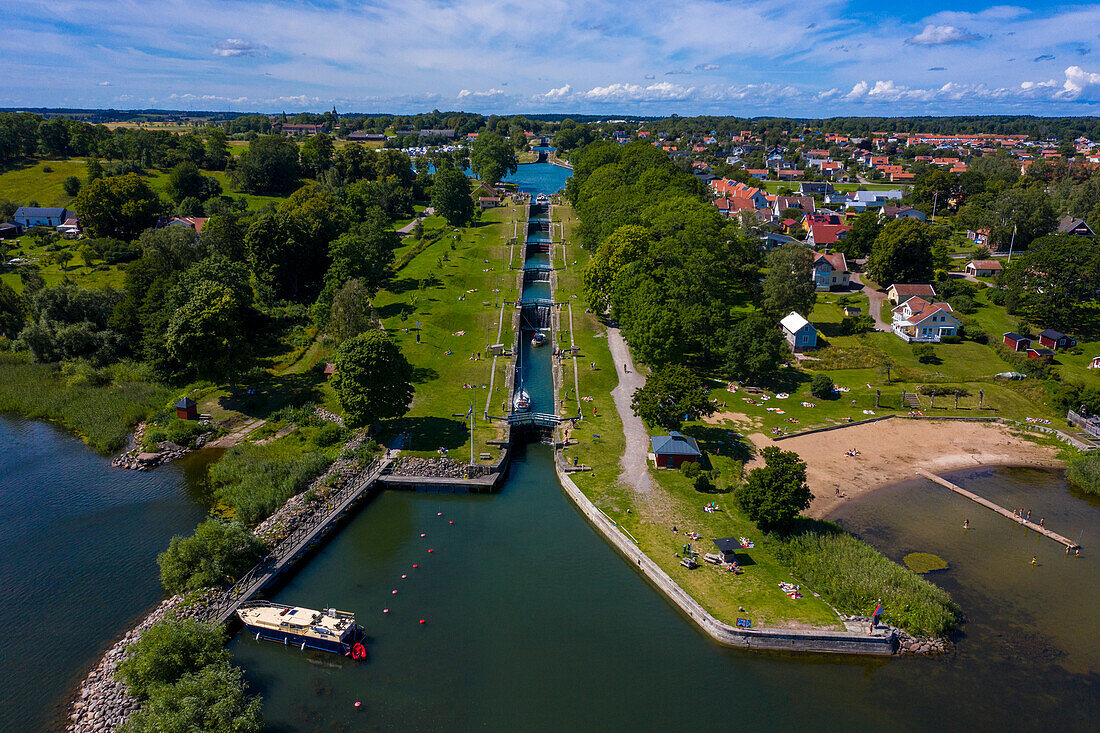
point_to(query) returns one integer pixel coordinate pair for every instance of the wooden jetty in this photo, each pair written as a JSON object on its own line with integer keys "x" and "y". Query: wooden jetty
{"x": 999, "y": 509}
{"x": 305, "y": 534}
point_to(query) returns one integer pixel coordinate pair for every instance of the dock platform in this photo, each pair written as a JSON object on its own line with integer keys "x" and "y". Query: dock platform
{"x": 999, "y": 509}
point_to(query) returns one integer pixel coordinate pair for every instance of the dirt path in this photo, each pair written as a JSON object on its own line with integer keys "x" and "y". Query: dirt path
{"x": 876, "y": 298}
{"x": 228, "y": 441}
{"x": 634, "y": 462}
{"x": 407, "y": 229}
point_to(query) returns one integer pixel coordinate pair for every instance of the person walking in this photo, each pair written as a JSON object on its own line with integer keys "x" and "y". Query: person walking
{"x": 875, "y": 616}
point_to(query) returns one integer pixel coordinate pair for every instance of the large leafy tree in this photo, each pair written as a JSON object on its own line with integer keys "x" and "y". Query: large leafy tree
{"x": 626, "y": 244}
{"x": 205, "y": 336}
{"x": 902, "y": 253}
{"x": 316, "y": 154}
{"x": 11, "y": 311}
{"x": 756, "y": 350}
{"x": 671, "y": 394}
{"x": 352, "y": 313}
{"x": 789, "y": 284}
{"x": 270, "y": 165}
{"x": 861, "y": 237}
{"x": 1055, "y": 281}
{"x": 373, "y": 379}
{"x": 120, "y": 206}
{"x": 364, "y": 253}
{"x": 773, "y": 495}
{"x": 185, "y": 181}
{"x": 451, "y": 197}
{"x": 492, "y": 157}
{"x": 216, "y": 555}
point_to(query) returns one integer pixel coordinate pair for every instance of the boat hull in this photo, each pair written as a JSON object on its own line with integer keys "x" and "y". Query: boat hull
{"x": 335, "y": 646}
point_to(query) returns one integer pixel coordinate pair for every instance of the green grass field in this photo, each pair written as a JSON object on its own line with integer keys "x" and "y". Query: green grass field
{"x": 30, "y": 182}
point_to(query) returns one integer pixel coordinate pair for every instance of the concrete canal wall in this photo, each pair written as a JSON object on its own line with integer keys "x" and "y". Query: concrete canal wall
{"x": 780, "y": 640}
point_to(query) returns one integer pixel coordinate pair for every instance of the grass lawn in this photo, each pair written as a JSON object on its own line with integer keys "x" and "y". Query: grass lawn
{"x": 99, "y": 275}
{"x": 30, "y": 182}
{"x": 454, "y": 288}
{"x": 158, "y": 180}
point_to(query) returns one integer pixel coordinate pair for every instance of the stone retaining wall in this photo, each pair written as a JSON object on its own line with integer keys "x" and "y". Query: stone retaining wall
{"x": 835, "y": 642}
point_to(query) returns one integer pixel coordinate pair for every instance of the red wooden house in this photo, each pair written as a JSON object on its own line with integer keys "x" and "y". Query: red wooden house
{"x": 1016, "y": 342}
{"x": 1056, "y": 340}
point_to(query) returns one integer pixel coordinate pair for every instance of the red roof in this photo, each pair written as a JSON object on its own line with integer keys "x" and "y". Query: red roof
{"x": 827, "y": 233}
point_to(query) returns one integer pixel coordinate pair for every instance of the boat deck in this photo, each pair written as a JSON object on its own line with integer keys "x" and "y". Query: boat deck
{"x": 302, "y": 621}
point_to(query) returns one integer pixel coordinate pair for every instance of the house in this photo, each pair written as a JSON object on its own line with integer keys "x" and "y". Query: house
{"x": 307, "y": 130}
{"x": 825, "y": 235}
{"x": 195, "y": 223}
{"x": 831, "y": 271}
{"x": 727, "y": 548}
{"x": 978, "y": 236}
{"x": 815, "y": 188}
{"x": 919, "y": 320}
{"x": 1016, "y": 342}
{"x": 10, "y": 230}
{"x": 35, "y": 216}
{"x": 187, "y": 409}
{"x": 799, "y": 332}
{"x": 983, "y": 268}
{"x": 901, "y": 212}
{"x": 488, "y": 202}
{"x": 901, "y": 292}
{"x": 1076, "y": 227}
{"x": 1056, "y": 340}
{"x": 1040, "y": 354}
{"x": 804, "y": 204}
{"x": 852, "y": 311}
{"x": 674, "y": 450}
{"x": 770, "y": 240}
{"x": 760, "y": 173}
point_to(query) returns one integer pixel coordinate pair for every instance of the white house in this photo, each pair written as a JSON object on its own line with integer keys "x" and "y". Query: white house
{"x": 799, "y": 332}
{"x": 918, "y": 320}
{"x": 831, "y": 271}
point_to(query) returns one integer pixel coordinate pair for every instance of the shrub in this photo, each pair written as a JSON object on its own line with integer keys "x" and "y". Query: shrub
{"x": 925, "y": 353}
{"x": 703, "y": 482}
{"x": 217, "y": 554}
{"x": 255, "y": 480}
{"x": 71, "y": 185}
{"x": 851, "y": 575}
{"x": 328, "y": 434}
{"x": 167, "y": 651}
{"x": 996, "y": 296}
{"x": 183, "y": 432}
{"x": 858, "y": 324}
{"x": 822, "y": 386}
{"x": 951, "y": 339}
{"x": 212, "y": 699}
{"x": 1084, "y": 472}
{"x": 690, "y": 469}
{"x": 775, "y": 494}
{"x": 962, "y": 303}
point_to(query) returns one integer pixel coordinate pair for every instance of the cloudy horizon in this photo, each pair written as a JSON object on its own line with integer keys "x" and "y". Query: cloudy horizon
{"x": 758, "y": 57}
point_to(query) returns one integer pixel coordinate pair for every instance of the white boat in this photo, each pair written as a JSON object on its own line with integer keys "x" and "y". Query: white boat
{"x": 328, "y": 630}
{"x": 539, "y": 338}
{"x": 522, "y": 402}
{"x": 542, "y": 199}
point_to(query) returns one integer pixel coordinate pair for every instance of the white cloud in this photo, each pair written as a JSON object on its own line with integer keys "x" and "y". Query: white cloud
{"x": 237, "y": 47}
{"x": 467, "y": 94}
{"x": 936, "y": 35}
{"x": 707, "y": 67}
{"x": 661, "y": 91}
{"x": 104, "y": 84}
{"x": 1081, "y": 85}
{"x": 559, "y": 93}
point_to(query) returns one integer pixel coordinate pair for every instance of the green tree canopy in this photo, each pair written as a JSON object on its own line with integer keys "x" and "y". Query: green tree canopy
{"x": 167, "y": 651}
{"x": 492, "y": 158}
{"x": 755, "y": 351}
{"x": 1055, "y": 280}
{"x": 373, "y": 379}
{"x": 316, "y": 154}
{"x": 902, "y": 253}
{"x": 773, "y": 495}
{"x": 789, "y": 284}
{"x": 217, "y": 554}
{"x": 671, "y": 394}
{"x": 211, "y": 700}
{"x": 451, "y": 197}
{"x": 625, "y": 245}
{"x": 861, "y": 237}
{"x": 270, "y": 165}
{"x": 185, "y": 181}
{"x": 120, "y": 206}
{"x": 352, "y": 313}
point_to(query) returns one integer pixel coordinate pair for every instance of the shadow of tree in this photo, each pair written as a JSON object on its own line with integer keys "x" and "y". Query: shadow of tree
{"x": 266, "y": 393}
{"x": 395, "y": 310}
{"x": 428, "y": 433}
{"x": 720, "y": 441}
{"x": 424, "y": 374}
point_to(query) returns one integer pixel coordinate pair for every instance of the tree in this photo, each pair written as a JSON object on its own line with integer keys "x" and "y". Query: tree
{"x": 821, "y": 386}
{"x": 451, "y": 197}
{"x": 365, "y": 253}
{"x": 774, "y": 495}
{"x": 205, "y": 336}
{"x": 756, "y": 350}
{"x": 861, "y": 237}
{"x": 71, "y": 185}
{"x": 120, "y": 206}
{"x": 217, "y": 554}
{"x": 270, "y": 165}
{"x": 373, "y": 379}
{"x": 185, "y": 181}
{"x": 167, "y": 651}
{"x": 671, "y": 394}
{"x": 789, "y": 284}
{"x": 625, "y": 245}
{"x": 11, "y": 311}
{"x": 212, "y": 700}
{"x": 1054, "y": 282}
{"x": 316, "y": 154}
{"x": 352, "y": 313}
{"x": 492, "y": 158}
{"x": 902, "y": 253}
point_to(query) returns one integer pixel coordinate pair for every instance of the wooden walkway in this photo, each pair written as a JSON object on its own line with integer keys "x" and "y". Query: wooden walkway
{"x": 1000, "y": 510}
{"x": 286, "y": 554}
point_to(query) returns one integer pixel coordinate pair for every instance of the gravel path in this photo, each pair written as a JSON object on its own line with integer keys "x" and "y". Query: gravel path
{"x": 407, "y": 229}
{"x": 634, "y": 461}
{"x": 876, "y": 298}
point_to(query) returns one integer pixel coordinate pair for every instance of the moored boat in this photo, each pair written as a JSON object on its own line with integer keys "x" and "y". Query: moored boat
{"x": 539, "y": 338}
{"x": 328, "y": 630}
{"x": 522, "y": 402}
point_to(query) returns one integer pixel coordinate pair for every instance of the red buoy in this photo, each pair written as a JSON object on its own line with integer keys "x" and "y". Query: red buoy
{"x": 415, "y": 565}
{"x": 431, "y": 550}
{"x": 422, "y": 621}
{"x": 452, "y": 521}
{"x": 395, "y": 592}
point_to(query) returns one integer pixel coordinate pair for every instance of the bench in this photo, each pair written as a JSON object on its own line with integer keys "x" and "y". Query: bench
{"x": 485, "y": 456}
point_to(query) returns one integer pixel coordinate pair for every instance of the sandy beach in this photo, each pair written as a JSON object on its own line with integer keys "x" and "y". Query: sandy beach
{"x": 892, "y": 451}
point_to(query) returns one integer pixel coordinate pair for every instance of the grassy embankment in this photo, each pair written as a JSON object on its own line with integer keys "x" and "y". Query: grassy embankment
{"x": 101, "y": 412}
{"x": 454, "y": 285}
{"x": 837, "y": 565}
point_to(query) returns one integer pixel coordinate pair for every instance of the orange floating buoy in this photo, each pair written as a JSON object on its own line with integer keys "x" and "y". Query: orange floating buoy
{"x": 404, "y": 576}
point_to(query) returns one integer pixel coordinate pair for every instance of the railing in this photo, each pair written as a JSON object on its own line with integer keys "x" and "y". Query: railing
{"x": 307, "y": 528}
{"x": 1089, "y": 425}
{"x": 545, "y": 419}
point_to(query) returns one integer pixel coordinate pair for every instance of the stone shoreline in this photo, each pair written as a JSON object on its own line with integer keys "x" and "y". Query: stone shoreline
{"x": 134, "y": 459}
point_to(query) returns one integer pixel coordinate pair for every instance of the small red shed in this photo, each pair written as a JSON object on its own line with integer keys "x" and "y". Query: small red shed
{"x": 187, "y": 409}
{"x": 1016, "y": 342}
{"x": 1040, "y": 353}
{"x": 674, "y": 450}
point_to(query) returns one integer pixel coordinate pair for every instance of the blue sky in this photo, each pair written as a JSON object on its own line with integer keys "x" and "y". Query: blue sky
{"x": 745, "y": 57}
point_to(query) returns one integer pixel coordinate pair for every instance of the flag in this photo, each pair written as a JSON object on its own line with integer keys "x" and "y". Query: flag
{"x": 470, "y": 411}
{"x": 878, "y": 610}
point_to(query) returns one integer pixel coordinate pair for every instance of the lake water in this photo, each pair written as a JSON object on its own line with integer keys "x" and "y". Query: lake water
{"x": 536, "y": 178}
{"x": 78, "y": 547}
